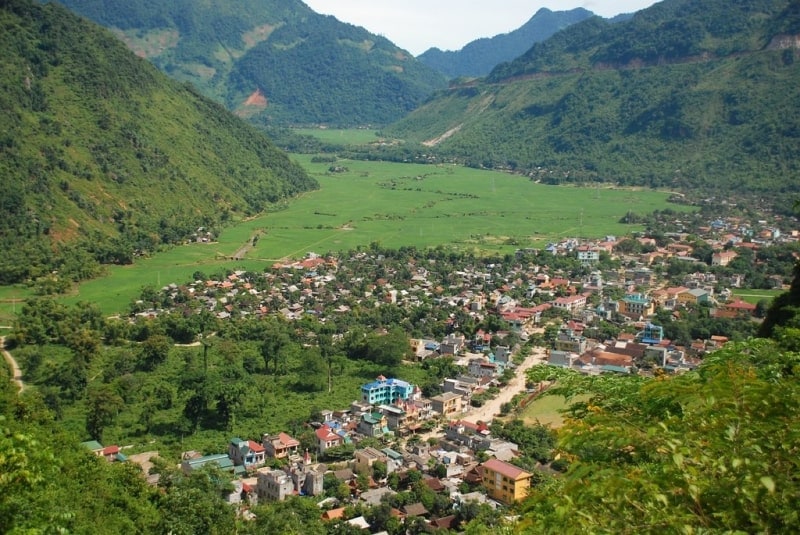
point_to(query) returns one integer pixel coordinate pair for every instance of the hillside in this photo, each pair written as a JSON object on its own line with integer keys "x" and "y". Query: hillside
{"x": 479, "y": 57}
{"x": 103, "y": 157}
{"x": 273, "y": 61}
{"x": 693, "y": 95}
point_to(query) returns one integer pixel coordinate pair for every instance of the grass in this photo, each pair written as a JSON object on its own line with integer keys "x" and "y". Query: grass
{"x": 754, "y": 296}
{"x": 547, "y": 410}
{"x": 395, "y": 205}
{"x": 11, "y": 298}
{"x": 349, "y": 136}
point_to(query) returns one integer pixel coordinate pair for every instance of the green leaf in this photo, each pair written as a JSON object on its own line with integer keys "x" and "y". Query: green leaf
{"x": 768, "y": 483}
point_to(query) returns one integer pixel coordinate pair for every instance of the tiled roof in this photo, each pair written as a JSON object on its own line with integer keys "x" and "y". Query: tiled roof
{"x": 506, "y": 469}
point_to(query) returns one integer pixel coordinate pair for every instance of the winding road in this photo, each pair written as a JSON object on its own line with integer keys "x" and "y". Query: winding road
{"x": 16, "y": 373}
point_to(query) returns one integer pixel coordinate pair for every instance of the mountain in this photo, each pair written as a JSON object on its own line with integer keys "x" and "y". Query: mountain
{"x": 104, "y": 157}
{"x": 697, "y": 95}
{"x": 479, "y": 57}
{"x": 272, "y": 61}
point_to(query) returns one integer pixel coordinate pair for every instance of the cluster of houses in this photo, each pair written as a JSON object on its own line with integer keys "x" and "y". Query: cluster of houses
{"x": 445, "y": 466}
{"x": 277, "y": 466}
{"x": 627, "y": 353}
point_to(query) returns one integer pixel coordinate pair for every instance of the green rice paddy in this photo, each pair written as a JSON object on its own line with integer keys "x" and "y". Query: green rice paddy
{"x": 395, "y": 205}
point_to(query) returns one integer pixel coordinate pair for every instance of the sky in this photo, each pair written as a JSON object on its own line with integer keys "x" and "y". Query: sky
{"x": 417, "y": 25}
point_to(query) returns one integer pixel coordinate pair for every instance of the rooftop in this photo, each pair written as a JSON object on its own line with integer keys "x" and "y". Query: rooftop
{"x": 506, "y": 469}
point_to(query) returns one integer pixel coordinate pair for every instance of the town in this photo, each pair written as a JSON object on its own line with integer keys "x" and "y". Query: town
{"x": 650, "y": 304}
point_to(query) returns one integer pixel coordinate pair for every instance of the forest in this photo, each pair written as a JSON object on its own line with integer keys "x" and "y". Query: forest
{"x": 105, "y": 159}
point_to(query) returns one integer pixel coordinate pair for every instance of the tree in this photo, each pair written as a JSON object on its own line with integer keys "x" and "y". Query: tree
{"x": 313, "y": 373}
{"x": 102, "y": 406}
{"x": 154, "y": 351}
{"x": 713, "y": 450}
{"x": 195, "y": 504}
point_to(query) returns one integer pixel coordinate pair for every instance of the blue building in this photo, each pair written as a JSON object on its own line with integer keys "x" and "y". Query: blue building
{"x": 385, "y": 391}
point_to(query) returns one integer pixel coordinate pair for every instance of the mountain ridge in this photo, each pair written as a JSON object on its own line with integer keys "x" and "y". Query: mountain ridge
{"x": 105, "y": 158}
{"x": 686, "y": 102}
{"x": 477, "y": 58}
{"x": 282, "y": 49}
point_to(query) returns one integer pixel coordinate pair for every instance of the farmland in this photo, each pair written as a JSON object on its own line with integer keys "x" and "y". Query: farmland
{"x": 395, "y": 205}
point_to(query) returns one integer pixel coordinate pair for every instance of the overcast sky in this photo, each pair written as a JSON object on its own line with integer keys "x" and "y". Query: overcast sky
{"x": 417, "y": 25}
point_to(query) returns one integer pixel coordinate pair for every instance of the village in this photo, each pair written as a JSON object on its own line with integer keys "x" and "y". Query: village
{"x": 594, "y": 306}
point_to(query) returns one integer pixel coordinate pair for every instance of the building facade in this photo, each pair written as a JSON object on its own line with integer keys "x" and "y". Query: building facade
{"x": 386, "y": 391}
{"x": 505, "y": 482}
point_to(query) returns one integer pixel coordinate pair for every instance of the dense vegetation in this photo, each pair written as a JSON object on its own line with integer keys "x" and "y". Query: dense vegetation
{"x": 104, "y": 158}
{"x": 310, "y": 68}
{"x": 684, "y": 95}
{"x": 479, "y": 57}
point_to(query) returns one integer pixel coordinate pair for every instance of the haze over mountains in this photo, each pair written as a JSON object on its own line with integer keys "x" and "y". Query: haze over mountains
{"x": 479, "y": 57}
{"x": 687, "y": 95}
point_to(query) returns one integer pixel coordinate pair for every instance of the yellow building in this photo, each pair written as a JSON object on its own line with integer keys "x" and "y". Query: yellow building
{"x": 505, "y": 482}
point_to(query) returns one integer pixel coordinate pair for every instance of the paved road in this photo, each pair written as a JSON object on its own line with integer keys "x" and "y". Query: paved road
{"x": 16, "y": 373}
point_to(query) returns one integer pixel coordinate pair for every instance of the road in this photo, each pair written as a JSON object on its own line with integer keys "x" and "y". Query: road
{"x": 492, "y": 407}
{"x": 16, "y": 373}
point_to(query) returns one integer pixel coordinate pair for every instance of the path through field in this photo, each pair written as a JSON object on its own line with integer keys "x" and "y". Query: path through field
{"x": 16, "y": 373}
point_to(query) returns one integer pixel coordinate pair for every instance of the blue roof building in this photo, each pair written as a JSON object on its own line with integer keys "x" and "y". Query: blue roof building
{"x": 386, "y": 391}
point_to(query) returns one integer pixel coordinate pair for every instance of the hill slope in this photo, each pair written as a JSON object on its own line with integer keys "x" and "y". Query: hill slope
{"x": 479, "y": 57}
{"x": 694, "y": 95}
{"x": 272, "y": 60}
{"x": 102, "y": 155}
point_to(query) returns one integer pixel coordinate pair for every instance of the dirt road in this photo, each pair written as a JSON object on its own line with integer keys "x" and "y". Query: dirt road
{"x": 16, "y": 373}
{"x": 492, "y": 407}
{"x": 514, "y": 387}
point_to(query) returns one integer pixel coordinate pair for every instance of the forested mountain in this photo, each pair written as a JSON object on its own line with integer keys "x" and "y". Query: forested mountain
{"x": 479, "y": 57}
{"x": 273, "y": 61}
{"x": 102, "y": 156}
{"x": 686, "y": 94}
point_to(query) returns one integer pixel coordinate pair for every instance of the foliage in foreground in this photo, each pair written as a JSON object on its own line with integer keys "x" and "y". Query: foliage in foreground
{"x": 714, "y": 450}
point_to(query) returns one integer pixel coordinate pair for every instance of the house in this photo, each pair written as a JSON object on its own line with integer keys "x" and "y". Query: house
{"x": 505, "y": 482}
{"x": 569, "y": 340}
{"x": 734, "y": 309}
{"x": 220, "y": 459}
{"x": 386, "y": 391}
{"x": 502, "y": 354}
{"x": 447, "y": 403}
{"x": 274, "y": 485}
{"x": 280, "y": 446}
{"x": 588, "y": 256}
{"x": 365, "y": 458}
{"x": 723, "y": 258}
{"x": 373, "y": 424}
{"x": 452, "y": 345}
{"x": 697, "y": 296}
{"x": 482, "y": 368}
{"x": 93, "y": 446}
{"x": 300, "y": 478}
{"x": 636, "y": 306}
{"x": 466, "y": 433}
{"x": 112, "y": 453}
{"x": 327, "y": 439}
{"x": 246, "y": 453}
{"x": 571, "y": 303}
